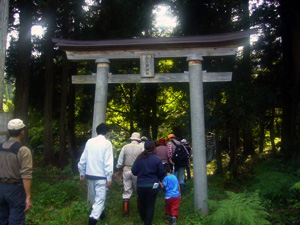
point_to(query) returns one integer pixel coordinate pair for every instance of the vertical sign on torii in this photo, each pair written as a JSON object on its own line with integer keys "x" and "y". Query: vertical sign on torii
{"x": 193, "y": 48}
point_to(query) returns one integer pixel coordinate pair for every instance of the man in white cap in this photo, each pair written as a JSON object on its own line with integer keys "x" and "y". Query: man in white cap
{"x": 15, "y": 176}
{"x": 128, "y": 155}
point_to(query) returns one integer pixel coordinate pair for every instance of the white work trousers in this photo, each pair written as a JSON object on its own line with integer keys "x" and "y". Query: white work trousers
{"x": 96, "y": 197}
{"x": 129, "y": 182}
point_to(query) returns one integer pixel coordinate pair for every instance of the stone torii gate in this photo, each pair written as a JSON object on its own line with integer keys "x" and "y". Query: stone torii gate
{"x": 193, "y": 48}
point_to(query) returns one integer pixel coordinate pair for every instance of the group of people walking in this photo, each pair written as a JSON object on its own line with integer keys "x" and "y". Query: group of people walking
{"x": 147, "y": 168}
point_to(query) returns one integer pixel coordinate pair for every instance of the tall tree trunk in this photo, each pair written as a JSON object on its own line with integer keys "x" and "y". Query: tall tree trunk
{"x": 147, "y": 93}
{"x": 4, "y": 5}
{"x": 71, "y": 121}
{"x": 218, "y": 156}
{"x": 131, "y": 113}
{"x": 272, "y": 132}
{"x": 247, "y": 130}
{"x": 261, "y": 136}
{"x": 48, "y": 98}
{"x": 248, "y": 142}
{"x": 24, "y": 55}
{"x": 63, "y": 159}
{"x": 234, "y": 148}
{"x": 154, "y": 119}
{"x": 289, "y": 13}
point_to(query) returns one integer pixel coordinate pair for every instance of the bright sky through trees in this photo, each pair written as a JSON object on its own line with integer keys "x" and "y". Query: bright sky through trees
{"x": 164, "y": 20}
{"x": 164, "y": 17}
{"x": 37, "y": 30}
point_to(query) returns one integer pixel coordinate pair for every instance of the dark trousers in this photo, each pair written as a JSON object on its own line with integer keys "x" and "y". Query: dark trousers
{"x": 188, "y": 172}
{"x": 147, "y": 196}
{"x": 12, "y": 204}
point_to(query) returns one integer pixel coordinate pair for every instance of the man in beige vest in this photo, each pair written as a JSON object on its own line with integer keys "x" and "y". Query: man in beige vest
{"x": 128, "y": 155}
{"x": 15, "y": 176}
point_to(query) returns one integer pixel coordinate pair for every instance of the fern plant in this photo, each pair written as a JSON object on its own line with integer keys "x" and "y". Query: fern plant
{"x": 242, "y": 208}
{"x": 273, "y": 185}
{"x": 296, "y": 186}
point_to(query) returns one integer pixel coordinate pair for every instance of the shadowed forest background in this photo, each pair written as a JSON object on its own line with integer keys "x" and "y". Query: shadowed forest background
{"x": 255, "y": 117}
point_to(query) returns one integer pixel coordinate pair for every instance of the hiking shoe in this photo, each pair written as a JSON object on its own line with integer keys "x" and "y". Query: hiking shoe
{"x": 173, "y": 221}
{"x": 168, "y": 219}
{"x": 102, "y": 216}
{"x": 92, "y": 221}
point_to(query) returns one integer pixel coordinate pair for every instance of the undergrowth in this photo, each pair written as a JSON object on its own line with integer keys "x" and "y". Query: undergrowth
{"x": 240, "y": 209}
{"x": 269, "y": 196}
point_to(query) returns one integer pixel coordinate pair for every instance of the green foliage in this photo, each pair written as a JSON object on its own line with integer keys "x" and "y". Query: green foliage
{"x": 296, "y": 186}
{"x": 8, "y": 106}
{"x": 57, "y": 198}
{"x": 59, "y": 193}
{"x": 242, "y": 208}
{"x": 36, "y": 135}
{"x": 194, "y": 218}
{"x": 274, "y": 185}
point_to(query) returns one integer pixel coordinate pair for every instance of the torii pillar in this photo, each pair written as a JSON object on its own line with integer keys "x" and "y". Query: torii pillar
{"x": 100, "y": 103}
{"x": 198, "y": 132}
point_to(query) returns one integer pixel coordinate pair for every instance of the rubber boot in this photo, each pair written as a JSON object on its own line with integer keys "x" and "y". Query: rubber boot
{"x": 173, "y": 221}
{"x": 92, "y": 221}
{"x": 125, "y": 207}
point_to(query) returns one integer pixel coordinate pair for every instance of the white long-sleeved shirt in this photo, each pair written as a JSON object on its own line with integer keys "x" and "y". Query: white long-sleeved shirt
{"x": 97, "y": 160}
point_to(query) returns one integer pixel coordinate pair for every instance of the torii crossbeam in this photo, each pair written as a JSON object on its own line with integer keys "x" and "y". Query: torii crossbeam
{"x": 193, "y": 48}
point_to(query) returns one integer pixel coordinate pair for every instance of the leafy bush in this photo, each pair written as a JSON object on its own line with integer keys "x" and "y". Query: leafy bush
{"x": 193, "y": 219}
{"x": 296, "y": 186}
{"x": 59, "y": 193}
{"x": 242, "y": 208}
{"x": 274, "y": 185}
{"x": 76, "y": 213}
{"x": 58, "y": 198}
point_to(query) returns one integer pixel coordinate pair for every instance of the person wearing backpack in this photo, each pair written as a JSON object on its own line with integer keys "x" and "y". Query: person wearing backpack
{"x": 188, "y": 148}
{"x": 171, "y": 149}
{"x": 179, "y": 159}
